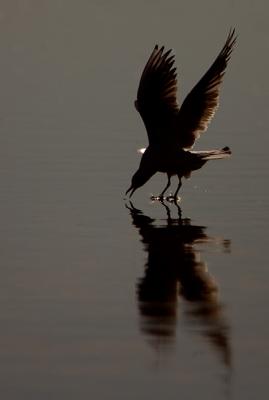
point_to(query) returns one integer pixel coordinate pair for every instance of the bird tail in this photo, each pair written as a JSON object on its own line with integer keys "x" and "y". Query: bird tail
{"x": 213, "y": 154}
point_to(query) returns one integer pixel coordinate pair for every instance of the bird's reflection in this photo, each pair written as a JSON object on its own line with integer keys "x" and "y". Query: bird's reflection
{"x": 174, "y": 271}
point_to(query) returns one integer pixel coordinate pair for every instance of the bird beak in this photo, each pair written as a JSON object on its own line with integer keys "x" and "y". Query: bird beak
{"x": 132, "y": 189}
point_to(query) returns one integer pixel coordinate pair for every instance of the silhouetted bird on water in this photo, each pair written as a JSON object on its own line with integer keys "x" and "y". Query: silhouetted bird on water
{"x": 171, "y": 130}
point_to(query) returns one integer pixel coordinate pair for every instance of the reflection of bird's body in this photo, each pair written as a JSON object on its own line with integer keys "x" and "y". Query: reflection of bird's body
{"x": 171, "y": 130}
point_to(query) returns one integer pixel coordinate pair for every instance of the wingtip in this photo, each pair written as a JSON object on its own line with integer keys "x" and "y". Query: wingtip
{"x": 232, "y": 36}
{"x": 160, "y": 51}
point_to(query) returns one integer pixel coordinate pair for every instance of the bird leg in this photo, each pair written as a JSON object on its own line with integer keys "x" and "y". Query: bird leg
{"x": 166, "y": 187}
{"x": 178, "y": 187}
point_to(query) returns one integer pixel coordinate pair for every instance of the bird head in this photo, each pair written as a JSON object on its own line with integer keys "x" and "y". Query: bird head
{"x": 139, "y": 179}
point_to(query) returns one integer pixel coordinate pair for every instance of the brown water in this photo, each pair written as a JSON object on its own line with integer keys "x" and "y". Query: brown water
{"x": 101, "y": 298}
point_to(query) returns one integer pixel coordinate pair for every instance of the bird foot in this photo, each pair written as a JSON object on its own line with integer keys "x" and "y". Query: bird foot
{"x": 173, "y": 199}
{"x": 170, "y": 198}
{"x": 157, "y": 198}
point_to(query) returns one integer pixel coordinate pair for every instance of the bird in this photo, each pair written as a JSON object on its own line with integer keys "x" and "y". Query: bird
{"x": 173, "y": 130}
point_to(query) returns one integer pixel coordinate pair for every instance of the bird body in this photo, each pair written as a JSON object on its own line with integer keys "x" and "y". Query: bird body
{"x": 170, "y": 160}
{"x": 171, "y": 130}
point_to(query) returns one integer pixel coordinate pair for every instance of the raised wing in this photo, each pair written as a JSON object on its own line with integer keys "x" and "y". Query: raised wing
{"x": 201, "y": 103}
{"x": 156, "y": 97}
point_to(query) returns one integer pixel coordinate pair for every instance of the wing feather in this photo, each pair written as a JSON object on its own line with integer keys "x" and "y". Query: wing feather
{"x": 201, "y": 103}
{"x": 156, "y": 97}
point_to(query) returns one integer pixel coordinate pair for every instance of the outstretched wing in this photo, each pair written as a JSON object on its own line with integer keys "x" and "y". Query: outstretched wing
{"x": 156, "y": 97}
{"x": 200, "y": 105}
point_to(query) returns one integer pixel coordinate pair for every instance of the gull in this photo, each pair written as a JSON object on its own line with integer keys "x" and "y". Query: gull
{"x": 173, "y": 130}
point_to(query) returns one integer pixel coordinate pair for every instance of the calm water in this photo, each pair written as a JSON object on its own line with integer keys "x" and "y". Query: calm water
{"x": 101, "y": 298}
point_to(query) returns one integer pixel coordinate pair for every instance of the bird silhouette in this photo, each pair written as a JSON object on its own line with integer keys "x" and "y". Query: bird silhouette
{"x": 171, "y": 130}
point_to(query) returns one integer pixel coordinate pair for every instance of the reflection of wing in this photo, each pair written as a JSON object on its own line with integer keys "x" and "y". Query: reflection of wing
{"x": 156, "y": 96}
{"x": 201, "y": 103}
